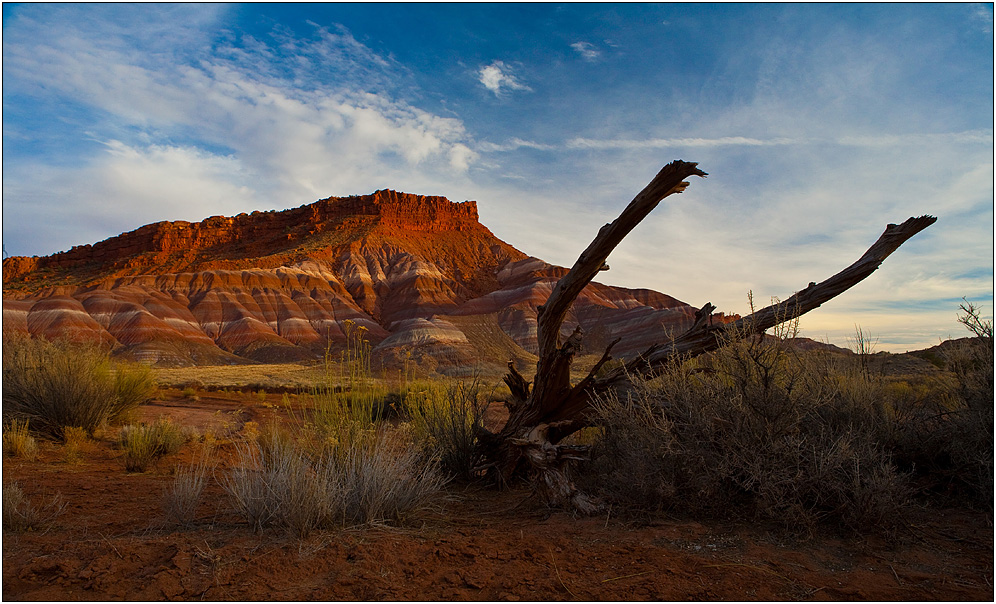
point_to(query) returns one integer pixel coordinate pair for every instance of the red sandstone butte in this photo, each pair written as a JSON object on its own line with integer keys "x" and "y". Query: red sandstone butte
{"x": 419, "y": 273}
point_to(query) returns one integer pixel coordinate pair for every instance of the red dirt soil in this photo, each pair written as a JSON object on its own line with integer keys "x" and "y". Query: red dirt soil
{"x": 111, "y": 543}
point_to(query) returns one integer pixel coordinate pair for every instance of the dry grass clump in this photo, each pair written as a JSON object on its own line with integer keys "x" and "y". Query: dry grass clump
{"x": 58, "y": 384}
{"x": 182, "y": 495}
{"x": 20, "y": 514}
{"x": 308, "y": 483}
{"x": 383, "y": 479}
{"x": 146, "y": 444}
{"x": 17, "y": 440}
{"x": 76, "y": 443}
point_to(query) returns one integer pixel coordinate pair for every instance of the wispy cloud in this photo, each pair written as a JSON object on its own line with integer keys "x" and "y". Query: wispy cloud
{"x": 984, "y": 137}
{"x": 514, "y": 144}
{"x": 587, "y": 50}
{"x": 498, "y": 77}
{"x": 982, "y": 17}
{"x": 664, "y": 143}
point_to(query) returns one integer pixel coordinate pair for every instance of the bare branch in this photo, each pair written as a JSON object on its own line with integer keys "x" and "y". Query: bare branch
{"x": 552, "y": 381}
{"x": 551, "y": 315}
{"x": 703, "y": 337}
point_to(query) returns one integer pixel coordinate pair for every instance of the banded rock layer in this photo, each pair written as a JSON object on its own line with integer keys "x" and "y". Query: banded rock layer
{"x": 416, "y": 276}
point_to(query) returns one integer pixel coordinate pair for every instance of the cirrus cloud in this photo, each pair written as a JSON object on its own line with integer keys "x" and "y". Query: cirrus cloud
{"x": 587, "y": 50}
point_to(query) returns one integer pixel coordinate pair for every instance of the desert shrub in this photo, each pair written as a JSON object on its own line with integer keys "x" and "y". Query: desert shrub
{"x": 346, "y": 467}
{"x": 968, "y": 433}
{"x": 146, "y": 444}
{"x": 17, "y": 440}
{"x": 134, "y": 384}
{"x": 248, "y": 486}
{"x": 305, "y": 485}
{"x": 59, "y": 384}
{"x": 446, "y": 420}
{"x": 756, "y": 427}
{"x": 182, "y": 495}
{"x": 20, "y": 514}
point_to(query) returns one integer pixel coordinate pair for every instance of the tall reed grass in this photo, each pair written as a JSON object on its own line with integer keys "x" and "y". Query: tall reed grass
{"x": 348, "y": 400}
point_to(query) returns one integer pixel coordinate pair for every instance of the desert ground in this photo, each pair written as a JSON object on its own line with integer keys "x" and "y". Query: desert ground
{"x": 112, "y": 541}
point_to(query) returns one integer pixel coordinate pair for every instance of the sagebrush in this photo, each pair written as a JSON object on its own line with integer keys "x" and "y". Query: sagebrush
{"x": 54, "y": 385}
{"x": 764, "y": 428}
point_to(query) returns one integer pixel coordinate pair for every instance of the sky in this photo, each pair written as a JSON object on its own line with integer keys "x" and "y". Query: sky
{"x": 819, "y": 124}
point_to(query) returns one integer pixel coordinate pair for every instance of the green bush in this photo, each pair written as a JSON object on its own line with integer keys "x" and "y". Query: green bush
{"x": 57, "y": 384}
{"x": 146, "y": 444}
{"x": 446, "y": 419}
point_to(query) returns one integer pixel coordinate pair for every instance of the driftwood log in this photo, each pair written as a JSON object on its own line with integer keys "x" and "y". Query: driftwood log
{"x": 540, "y": 417}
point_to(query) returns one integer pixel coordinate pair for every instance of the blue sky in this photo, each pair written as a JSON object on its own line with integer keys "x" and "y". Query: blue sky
{"x": 818, "y": 125}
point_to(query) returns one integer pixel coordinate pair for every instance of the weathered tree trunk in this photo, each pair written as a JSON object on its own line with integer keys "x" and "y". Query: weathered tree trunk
{"x": 554, "y": 408}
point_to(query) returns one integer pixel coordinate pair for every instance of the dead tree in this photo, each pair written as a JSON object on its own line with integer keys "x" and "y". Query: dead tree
{"x": 542, "y": 416}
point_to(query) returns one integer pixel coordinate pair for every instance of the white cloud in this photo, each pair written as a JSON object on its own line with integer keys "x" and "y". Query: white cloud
{"x": 124, "y": 188}
{"x": 257, "y": 127}
{"x": 498, "y": 77}
{"x": 879, "y": 140}
{"x": 587, "y": 50}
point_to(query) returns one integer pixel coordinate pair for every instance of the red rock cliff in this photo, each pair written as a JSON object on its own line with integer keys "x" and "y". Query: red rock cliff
{"x": 257, "y": 234}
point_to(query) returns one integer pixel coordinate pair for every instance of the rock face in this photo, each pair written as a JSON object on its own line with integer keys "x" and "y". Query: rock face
{"x": 418, "y": 276}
